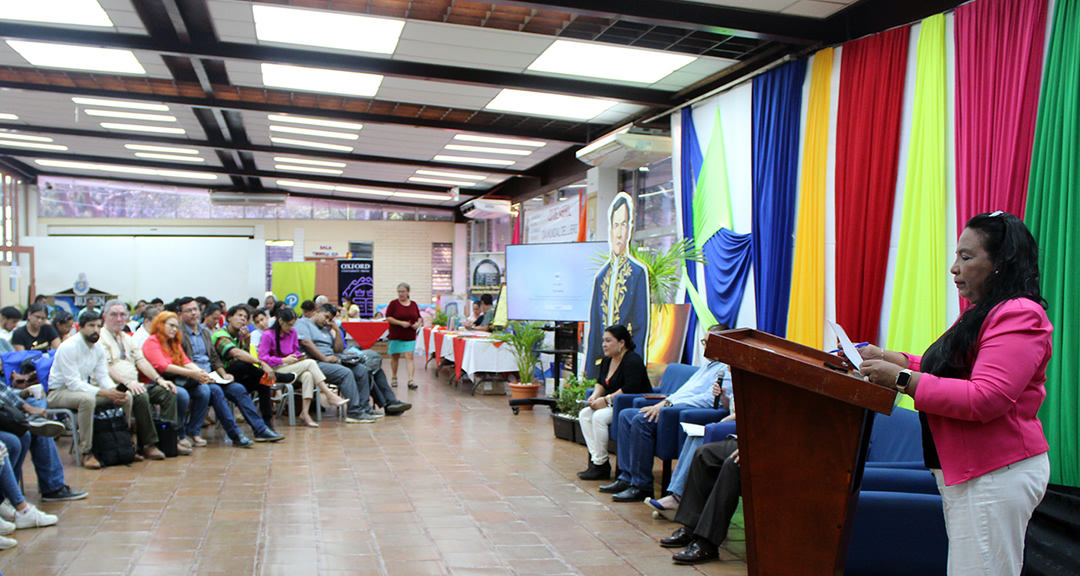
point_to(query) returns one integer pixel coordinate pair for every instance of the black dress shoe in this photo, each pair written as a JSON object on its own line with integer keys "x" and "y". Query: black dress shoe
{"x": 615, "y": 487}
{"x": 699, "y": 551}
{"x": 631, "y": 494}
{"x": 681, "y": 538}
{"x": 596, "y": 472}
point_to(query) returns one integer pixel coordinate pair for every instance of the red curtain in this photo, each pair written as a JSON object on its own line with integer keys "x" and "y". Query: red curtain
{"x": 999, "y": 53}
{"x": 867, "y": 153}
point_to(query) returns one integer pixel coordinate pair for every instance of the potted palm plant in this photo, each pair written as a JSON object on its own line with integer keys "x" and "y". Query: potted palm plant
{"x": 568, "y": 403}
{"x": 525, "y": 337}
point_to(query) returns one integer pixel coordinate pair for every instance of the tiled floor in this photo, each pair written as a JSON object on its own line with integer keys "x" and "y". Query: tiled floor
{"x": 459, "y": 485}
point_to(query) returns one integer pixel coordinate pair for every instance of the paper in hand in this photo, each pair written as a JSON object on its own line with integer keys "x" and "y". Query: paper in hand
{"x": 850, "y": 352}
{"x": 693, "y": 430}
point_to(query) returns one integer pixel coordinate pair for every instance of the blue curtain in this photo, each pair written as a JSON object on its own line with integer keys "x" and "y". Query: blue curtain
{"x": 775, "y": 157}
{"x": 692, "y": 160}
{"x": 728, "y": 256}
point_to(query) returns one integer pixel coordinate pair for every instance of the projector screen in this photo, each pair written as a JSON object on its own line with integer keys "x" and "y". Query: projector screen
{"x": 552, "y": 282}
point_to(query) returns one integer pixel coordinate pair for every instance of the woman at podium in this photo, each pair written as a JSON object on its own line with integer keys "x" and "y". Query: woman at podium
{"x": 978, "y": 390}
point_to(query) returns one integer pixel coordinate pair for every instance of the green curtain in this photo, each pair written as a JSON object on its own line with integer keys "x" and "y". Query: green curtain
{"x": 712, "y": 199}
{"x": 918, "y": 314}
{"x": 1053, "y": 204}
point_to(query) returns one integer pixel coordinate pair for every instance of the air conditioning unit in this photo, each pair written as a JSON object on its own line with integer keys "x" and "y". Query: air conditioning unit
{"x": 485, "y": 208}
{"x": 628, "y": 148}
{"x": 247, "y": 198}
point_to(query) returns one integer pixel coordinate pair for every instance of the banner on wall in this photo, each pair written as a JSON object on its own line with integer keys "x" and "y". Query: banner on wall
{"x": 293, "y": 282}
{"x": 356, "y": 282}
{"x": 487, "y": 271}
{"x": 556, "y": 222}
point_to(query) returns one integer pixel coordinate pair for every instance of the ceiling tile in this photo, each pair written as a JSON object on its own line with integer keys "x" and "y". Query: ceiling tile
{"x": 814, "y": 9}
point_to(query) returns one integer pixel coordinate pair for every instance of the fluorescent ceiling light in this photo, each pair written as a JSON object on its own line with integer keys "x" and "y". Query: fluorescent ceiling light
{"x": 125, "y": 169}
{"x": 82, "y": 12}
{"x": 311, "y": 162}
{"x": 169, "y": 157}
{"x": 14, "y": 136}
{"x": 310, "y": 169}
{"x": 299, "y": 184}
{"x": 345, "y": 189}
{"x": 73, "y": 57}
{"x": 605, "y": 61}
{"x": 6, "y": 116}
{"x": 317, "y": 133}
{"x": 494, "y": 140}
{"x": 130, "y": 115}
{"x": 438, "y": 181}
{"x": 452, "y": 174}
{"x": 307, "y": 144}
{"x": 162, "y": 149}
{"x": 467, "y": 160}
{"x": 488, "y": 150}
{"x": 315, "y": 122}
{"x": 552, "y": 105}
{"x": 327, "y": 29}
{"x": 423, "y": 196}
{"x": 140, "y": 128}
{"x": 120, "y": 104}
{"x": 320, "y": 80}
{"x": 367, "y": 191}
{"x": 34, "y": 145}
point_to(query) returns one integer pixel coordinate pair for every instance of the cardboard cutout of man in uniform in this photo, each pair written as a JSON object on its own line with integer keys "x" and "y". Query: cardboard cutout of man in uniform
{"x": 621, "y": 290}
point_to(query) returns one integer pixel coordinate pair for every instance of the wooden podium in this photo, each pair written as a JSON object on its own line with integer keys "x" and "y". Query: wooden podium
{"x": 804, "y": 430}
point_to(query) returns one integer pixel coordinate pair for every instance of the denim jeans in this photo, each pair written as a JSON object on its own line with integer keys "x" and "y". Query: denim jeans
{"x": 192, "y": 400}
{"x": 636, "y": 448}
{"x": 682, "y": 468}
{"x": 381, "y": 392}
{"x": 17, "y": 448}
{"x": 46, "y": 458}
{"x": 238, "y": 394}
{"x": 353, "y": 383}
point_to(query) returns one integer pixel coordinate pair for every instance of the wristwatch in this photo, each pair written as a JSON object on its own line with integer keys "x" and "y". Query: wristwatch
{"x": 903, "y": 379}
{"x": 667, "y": 403}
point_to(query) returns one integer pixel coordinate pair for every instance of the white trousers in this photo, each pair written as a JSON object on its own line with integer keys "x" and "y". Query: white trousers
{"x": 594, "y": 426}
{"x": 986, "y": 518}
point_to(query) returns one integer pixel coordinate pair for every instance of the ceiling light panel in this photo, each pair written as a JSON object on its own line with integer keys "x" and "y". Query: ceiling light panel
{"x": 129, "y": 115}
{"x": 174, "y": 158}
{"x": 549, "y": 105}
{"x": 32, "y": 145}
{"x": 608, "y": 62}
{"x": 468, "y": 160}
{"x": 93, "y": 166}
{"x": 309, "y": 144}
{"x": 6, "y": 116}
{"x": 495, "y": 140}
{"x": 320, "y": 80}
{"x": 120, "y": 104}
{"x": 141, "y": 128}
{"x": 301, "y": 184}
{"x": 160, "y": 149}
{"x": 310, "y": 169}
{"x": 423, "y": 196}
{"x": 440, "y": 181}
{"x": 80, "y": 12}
{"x": 312, "y": 132}
{"x": 314, "y": 121}
{"x": 287, "y": 160}
{"x": 49, "y": 55}
{"x": 457, "y": 175}
{"x": 27, "y": 137}
{"x": 327, "y": 29}
{"x": 487, "y": 150}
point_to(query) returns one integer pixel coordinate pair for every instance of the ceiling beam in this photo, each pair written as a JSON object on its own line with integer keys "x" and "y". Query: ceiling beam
{"x": 249, "y": 147}
{"x": 580, "y": 136}
{"x": 560, "y": 170}
{"x": 344, "y": 62}
{"x": 226, "y": 171}
{"x": 709, "y": 18}
{"x": 13, "y": 167}
{"x": 865, "y": 18}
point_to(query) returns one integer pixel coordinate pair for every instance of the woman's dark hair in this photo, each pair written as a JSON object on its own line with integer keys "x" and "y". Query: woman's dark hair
{"x": 1015, "y": 255}
{"x": 619, "y": 332}
{"x": 284, "y": 314}
{"x": 253, "y": 302}
{"x": 36, "y": 307}
{"x": 62, "y": 317}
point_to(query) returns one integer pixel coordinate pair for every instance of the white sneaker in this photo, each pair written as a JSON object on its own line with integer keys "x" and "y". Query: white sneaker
{"x": 6, "y": 542}
{"x": 31, "y": 517}
{"x": 7, "y": 511}
{"x": 6, "y": 527}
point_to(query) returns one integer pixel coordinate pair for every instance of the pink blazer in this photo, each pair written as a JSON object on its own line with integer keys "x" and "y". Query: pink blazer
{"x": 990, "y": 420}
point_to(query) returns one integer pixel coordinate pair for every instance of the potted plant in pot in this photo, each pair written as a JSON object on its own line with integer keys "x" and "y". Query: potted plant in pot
{"x": 525, "y": 337}
{"x": 568, "y": 403}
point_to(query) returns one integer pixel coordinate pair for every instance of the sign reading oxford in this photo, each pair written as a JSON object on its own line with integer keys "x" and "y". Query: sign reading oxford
{"x": 356, "y": 283}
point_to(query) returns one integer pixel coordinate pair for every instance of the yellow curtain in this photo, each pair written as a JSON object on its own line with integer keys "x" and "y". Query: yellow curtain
{"x": 918, "y": 314}
{"x": 807, "y": 313}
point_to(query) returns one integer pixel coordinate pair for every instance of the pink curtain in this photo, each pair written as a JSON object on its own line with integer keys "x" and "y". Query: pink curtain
{"x": 999, "y": 53}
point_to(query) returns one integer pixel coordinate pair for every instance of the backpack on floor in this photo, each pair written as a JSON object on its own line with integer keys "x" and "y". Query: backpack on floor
{"x": 168, "y": 435}
{"x": 112, "y": 438}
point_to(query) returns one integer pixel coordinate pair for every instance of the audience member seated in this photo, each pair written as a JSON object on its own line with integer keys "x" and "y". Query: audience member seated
{"x": 280, "y": 349}
{"x": 143, "y": 332}
{"x": 37, "y": 333}
{"x": 9, "y": 319}
{"x": 638, "y": 430}
{"x": 483, "y": 323}
{"x": 211, "y": 317}
{"x": 232, "y": 346}
{"x": 621, "y": 370}
{"x": 307, "y": 309}
{"x": 321, "y": 338}
{"x": 199, "y": 348}
{"x": 710, "y": 498}
{"x": 63, "y": 322}
{"x": 476, "y": 315}
{"x": 126, "y": 363}
{"x": 26, "y": 515}
{"x": 80, "y": 381}
{"x": 260, "y": 321}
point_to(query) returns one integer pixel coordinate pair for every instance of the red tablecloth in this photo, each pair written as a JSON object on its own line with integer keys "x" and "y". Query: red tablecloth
{"x": 366, "y": 333}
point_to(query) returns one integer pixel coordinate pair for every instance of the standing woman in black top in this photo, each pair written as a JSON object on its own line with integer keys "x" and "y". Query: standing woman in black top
{"x": 37, "y": 333}
{"x": 621, "y": 370}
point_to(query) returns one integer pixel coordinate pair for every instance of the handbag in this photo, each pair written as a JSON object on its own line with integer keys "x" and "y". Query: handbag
{"x": 112, "y": 438}
{"x": 13, "y": 420}
{"x": 168, "y": 436}
{"x": 349, "y": 359}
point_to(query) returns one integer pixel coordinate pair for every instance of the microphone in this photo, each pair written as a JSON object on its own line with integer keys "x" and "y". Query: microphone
{"x": 716, "y": 399}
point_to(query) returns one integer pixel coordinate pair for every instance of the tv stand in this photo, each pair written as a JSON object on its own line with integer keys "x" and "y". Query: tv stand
{"x": 566, "y": 343}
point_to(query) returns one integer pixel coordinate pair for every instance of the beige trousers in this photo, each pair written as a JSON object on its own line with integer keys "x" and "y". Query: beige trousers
{"x": 307, "y": 372}
{"x": 83, "y": 403}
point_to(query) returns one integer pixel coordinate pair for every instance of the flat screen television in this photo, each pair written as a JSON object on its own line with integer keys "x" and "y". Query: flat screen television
{"x": 552, "y": 282}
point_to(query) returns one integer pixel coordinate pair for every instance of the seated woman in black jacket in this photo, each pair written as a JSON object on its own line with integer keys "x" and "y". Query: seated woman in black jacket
{"x": 622, "y": 370}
